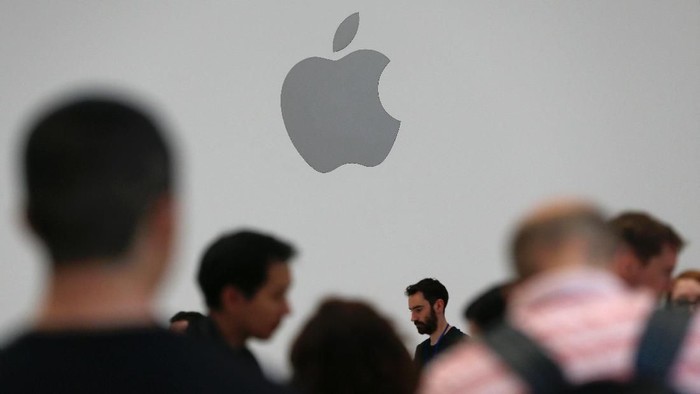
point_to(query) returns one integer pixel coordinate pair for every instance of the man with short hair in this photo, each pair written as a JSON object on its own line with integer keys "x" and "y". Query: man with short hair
{"x": 99, "y": 195}
{"x": 579, "y": 314}
{"x": 427, "y": 300}
{"x": 649, "y": 253}
{"x": 487, "y": 309}
{"x": 244, "y": 277}
{"x": 181, "y": 320}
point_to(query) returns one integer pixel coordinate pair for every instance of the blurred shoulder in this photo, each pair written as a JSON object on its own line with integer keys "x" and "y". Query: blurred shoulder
{"x": 469, "y": 367}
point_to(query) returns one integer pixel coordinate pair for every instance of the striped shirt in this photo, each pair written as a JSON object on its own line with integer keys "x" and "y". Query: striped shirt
{"x": 587, "y": 321}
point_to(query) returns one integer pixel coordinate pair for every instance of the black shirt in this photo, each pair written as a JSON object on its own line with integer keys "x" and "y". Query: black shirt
{"x": 425, "y": 352}
{"x": 206, "y": 329}
{"x": 129, "y": 360}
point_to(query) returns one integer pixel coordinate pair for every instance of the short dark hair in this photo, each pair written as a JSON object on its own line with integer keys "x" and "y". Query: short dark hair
{"x": 188, "y": 316}
{"x": 431, "y": 288}
{"x": 92, "y": 169}
{"x": 645, "y": 234}
{"x": 240, "y": 259}
{"x": 488, "y": 308}
{"x": 347, "y": 347}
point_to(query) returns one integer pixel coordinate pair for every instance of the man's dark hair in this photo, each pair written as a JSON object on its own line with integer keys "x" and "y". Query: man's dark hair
{"x": 189, "y": 316}
{"x": 431, "y": 288}
{"x": 645, "y": 235}
{"x": 488, "y": 308}
{"x": 240, "y": 259}
{"x": 92, "y": 169}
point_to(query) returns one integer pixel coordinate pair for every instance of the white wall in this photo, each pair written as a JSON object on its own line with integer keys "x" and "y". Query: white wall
{"x": 502, "y": 104}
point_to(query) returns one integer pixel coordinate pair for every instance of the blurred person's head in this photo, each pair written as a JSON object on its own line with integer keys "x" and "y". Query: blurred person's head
{"x": 244, "y": 277}
{"x": 347, "y": 347}
{"x": 685, "y": 291}
{"x": 562, "y": 234}
{"x": 487, "y": 309}
{"x": 649, "y": 251}
{"x": 98, "y": 182}
{"x": 427, "y": 301}
{"x": 180, "y": 321}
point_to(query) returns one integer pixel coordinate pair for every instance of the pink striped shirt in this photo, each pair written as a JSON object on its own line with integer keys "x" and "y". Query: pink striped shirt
{"x": 587, "y": 321}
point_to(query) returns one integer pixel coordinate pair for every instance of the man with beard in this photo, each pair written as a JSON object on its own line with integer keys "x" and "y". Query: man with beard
{"x": 427, "y": 300}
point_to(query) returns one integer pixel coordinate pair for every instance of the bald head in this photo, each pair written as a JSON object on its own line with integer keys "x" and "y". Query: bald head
{"x": 562, "y": 233}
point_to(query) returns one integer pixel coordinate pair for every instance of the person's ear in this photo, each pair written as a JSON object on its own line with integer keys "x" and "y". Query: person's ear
{"x": 474, "y": 329}
{"x": 155, "y": 238}
{"x": 26, "y": 221}
{"x": 162, "y": 221}
{"x": 232, "y": 299}
{"x": 625, "y": 264}
{"x": 439, "y": 305}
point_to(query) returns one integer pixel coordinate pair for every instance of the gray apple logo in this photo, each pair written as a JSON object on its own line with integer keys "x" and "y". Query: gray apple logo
{"x": 331, "y": 109}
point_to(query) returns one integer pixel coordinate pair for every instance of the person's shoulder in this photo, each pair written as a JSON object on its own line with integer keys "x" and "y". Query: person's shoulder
{"x": 468, "y": 367}
{"x": 423, "y": 345}
{"x": 453, "y": 336}
{"x": 153, "y": 359}
{"x": 421, "y": 350}
{"x": 211, "y": 368}
{"x": 688, "y": 360}
{"x": 456, "y": 333}
{"x": 20, "y": 348}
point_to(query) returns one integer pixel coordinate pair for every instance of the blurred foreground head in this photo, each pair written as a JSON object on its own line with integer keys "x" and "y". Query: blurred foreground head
{"x": 650, "y": 251}
{"x": 561, "y": 234}
{"x": 98, "y": 179}
{"x": 347, "y": 347}
{"x": 488, "y": 308}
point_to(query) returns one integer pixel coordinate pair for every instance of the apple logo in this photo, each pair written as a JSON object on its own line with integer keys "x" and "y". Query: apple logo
{"x": 331, "y": 109}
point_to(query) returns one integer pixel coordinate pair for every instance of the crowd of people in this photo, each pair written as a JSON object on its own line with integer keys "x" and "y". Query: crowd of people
{"x": 582, "y": 311}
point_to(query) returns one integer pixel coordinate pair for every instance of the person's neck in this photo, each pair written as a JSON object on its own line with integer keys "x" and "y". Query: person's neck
{"x": 229, "y": 330}
{"x": 441, "y": 327}
{"x": 95, "y": 295}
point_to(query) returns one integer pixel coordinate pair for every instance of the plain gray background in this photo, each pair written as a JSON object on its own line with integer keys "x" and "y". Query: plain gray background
{"x": 502, "y": 104}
